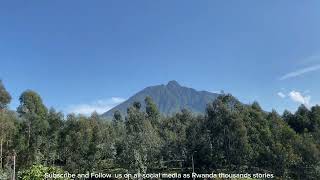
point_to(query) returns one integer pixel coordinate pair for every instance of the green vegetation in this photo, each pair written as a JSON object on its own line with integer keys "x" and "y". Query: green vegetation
{"x": 37, "y": 172}
{"x": 229, "y": 137}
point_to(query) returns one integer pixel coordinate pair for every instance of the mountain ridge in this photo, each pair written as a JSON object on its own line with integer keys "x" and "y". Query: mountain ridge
{"x": 169, "y": 98}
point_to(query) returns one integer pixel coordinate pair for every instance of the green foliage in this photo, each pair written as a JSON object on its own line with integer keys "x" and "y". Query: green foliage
{"x": 8, "y": 131}
{"x": 5, "y": 97}
{"x": 117, "y": 118}
{"x": 143, "y": 142}
{"x": 315, "y": 119}
{"x": 4, "y": 174}
{"x": 229, "y": 137}
{"x": 151, "y": 107}
{"x": 33, "y": 144}
{"x": 31, "y": 103}
{"x": 174, "y": 137}
{"x": 37, "y": 172}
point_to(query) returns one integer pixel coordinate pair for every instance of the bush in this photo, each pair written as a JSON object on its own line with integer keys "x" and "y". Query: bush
{"x": 37, "y": 172}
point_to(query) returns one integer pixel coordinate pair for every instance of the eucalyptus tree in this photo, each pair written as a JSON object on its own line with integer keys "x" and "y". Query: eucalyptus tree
{"x": 34, "y": 127}
{"x": 5, "y": 97}
{"x": 142, "y": 141}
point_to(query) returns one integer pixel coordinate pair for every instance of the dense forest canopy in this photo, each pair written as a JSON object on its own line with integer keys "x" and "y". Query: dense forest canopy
{"x": 229, "y": 137}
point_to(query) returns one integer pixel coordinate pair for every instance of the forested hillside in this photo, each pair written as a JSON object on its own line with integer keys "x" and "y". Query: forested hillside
{"x": 229, "y": 137}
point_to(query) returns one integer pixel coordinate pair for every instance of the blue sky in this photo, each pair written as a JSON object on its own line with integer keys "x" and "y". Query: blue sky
{"x": 86, "y": 55}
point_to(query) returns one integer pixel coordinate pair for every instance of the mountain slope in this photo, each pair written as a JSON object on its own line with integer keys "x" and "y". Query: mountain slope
{"x": 169, "y": 98}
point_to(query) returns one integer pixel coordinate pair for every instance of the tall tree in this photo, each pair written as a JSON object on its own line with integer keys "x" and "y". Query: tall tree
{"x": 300, "y": 122}
{"x": 117, "y": 118}
{"x": 143, "y": 142}
{"x": 6, "y": 124}
{"x": 55, "y": 121}
{"x": 315, "y": 119}
{"x": 34, "y": 114}
{"x": 8, "y": 128}
{"x": 5, "y": 97}
{"x": 174, "y": 137}
{"x": 227, "y": 131}
{"x": 152, "y": 111}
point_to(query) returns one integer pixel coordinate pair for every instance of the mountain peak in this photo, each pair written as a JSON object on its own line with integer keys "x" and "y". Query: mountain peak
{"x": 173, "y": 83}
{"x": 169, "y": 98}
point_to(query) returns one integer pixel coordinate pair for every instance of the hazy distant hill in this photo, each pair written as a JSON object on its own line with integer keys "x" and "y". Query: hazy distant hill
{"x": 169, "y": 98}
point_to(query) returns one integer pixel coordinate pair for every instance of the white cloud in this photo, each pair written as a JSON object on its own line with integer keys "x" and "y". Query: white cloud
{"x": 217, "y": 91}
{"x": 300, "y": 72}
{"x": 281, "y": 94}
{"x": 100, "y": 106}
{"x": 296, "y": 96}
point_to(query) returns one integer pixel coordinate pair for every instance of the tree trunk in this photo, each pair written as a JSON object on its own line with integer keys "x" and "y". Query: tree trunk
{"x": 29, "y": 133}
{"x": 1, "y": 153}
{"x": 14, "y": 166}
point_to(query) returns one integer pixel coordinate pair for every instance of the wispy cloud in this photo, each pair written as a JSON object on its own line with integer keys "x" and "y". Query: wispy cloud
{"x": 281, "y": 94}
{"x": 99, "y": 106}
{"x": 217, "y": 91}
{"x": 298, "y": 97}
{"x": 300, "y": 72}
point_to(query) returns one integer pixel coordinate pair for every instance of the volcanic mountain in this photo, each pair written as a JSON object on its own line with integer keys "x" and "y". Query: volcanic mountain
{"x": 169, "y": 98}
